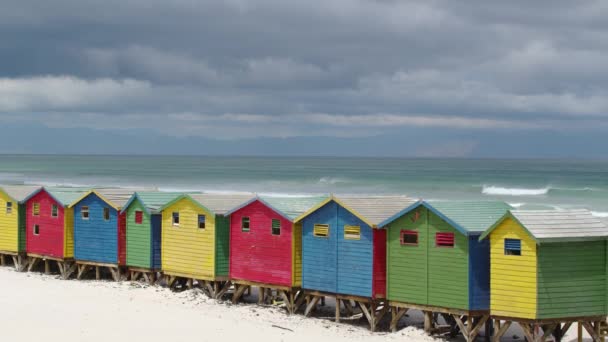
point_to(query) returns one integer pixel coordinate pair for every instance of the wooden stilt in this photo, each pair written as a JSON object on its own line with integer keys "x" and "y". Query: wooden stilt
{"x": 337, "y": 310}
{"x": 397, "y": 314}
{"x": 311, "y": 305}
{"x": 47, "y": 267}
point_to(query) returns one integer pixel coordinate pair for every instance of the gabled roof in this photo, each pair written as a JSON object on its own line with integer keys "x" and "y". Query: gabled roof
{"x": 152, "y": 201}
{"x": 370, "y": 209}
{"x": 115, "y": 197}
{"x": 289, "y": 207}
{"x": 19, "y": 193}
{"x": 218, "y": 204}
{"x": 63, "y": 195}
{"x": 468, "y": 217}
{"x": 557, "y": 225}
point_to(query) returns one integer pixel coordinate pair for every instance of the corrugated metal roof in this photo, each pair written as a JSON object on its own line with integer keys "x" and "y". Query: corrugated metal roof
{"x": 154, "y": 200}
{"x": 472, "y": 216}
{"x": 562, "y": 225}
{"x": 376, "y": 209}
{"x": 221, "y": 203}
{"x": 118, "y": 197}
{"x": 19, "y": 192}
{"x": 66, "y": 195}
{"x": 292, "y": 207}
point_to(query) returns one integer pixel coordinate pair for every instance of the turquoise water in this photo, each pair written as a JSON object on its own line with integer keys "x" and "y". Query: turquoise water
{"x": 524, "y": 183}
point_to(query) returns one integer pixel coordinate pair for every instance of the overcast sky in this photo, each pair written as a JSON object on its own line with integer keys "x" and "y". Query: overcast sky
{"x": 471, "y": 78}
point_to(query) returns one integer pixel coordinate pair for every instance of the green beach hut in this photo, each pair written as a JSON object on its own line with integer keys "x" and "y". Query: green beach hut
{"x": 143, "y": 236}
{"x": 436, "y": 263}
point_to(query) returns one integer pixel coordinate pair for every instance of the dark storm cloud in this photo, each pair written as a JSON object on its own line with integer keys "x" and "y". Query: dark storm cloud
{"x": 293, "y": 68}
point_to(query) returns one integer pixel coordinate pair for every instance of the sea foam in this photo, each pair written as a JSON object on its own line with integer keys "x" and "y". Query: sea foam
{"x": 497, "y": 190}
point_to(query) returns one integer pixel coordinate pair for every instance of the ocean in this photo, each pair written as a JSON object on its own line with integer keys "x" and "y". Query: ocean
{"x": 528, "y": 184}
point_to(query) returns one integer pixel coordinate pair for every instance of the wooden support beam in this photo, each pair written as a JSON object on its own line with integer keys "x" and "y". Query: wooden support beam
{"x": 286, "y": 300}
{"x": 97, "y": 274}
{"x": 499, "y": 330}
{"x": 300, "y": 299}
{"x": 69, "y": 269}
{"x": 311, "y": 305}
{"x": 33, "y": 263}
{"x": 475, "y": 330}
{"x": 210, "y": 288}
{"x": 47, "y": 267}
{"x": 262, "y": 296}
{"x": 240, "y": 289}
{"x": 592, "y": 331}
{"x": 379, "y": 314}
{"x": 463, "y": 329}
{"x": 547, "y": 332}
{"x": 223, "y": 290}
{"x": 348, "y": 307}
{"x": 337, "y": 310}
{"x": 565, "y": 328}
{"x": 397, "y": 313}
{"x": 428, "y": 321}
{"x": 527, "y": 329}
{"x": 365, "y": 311}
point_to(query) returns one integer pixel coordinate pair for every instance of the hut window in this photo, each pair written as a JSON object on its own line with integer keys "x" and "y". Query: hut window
{"x": 106, "y": 214}
{"x": 409, "y": 238}
{"x": 512, "y": 247}
{"x": 352, "y": 232}
{"x": 54, "y": 210}
{"x": 444, "y": 240}
{"x": 321, "y": 230}
{"x": 84, "y": 212}
{"x": 36, "y": 229}
{"x": 201, "y": 221}
{"x": 139, "y": 217}
{"x": 176, "y": 219}
{"x": 36, "y": 210}
{"x": 245, "y": 224}
{"x": 276, "y": 227}
{"x": 9, "y": 207}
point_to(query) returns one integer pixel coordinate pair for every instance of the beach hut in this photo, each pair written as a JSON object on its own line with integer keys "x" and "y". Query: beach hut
{"x": 266, "y": 246}
{"x": 12, "y": 223}
{"x": 143, "y": 219}
{"x": 50, "y": 228}
{"x": 99, "y": 231}
{"x": 344, "y": 252}
{"x": 436, "y": 263}
{"x": 195, "y": 240}
{"x": 548, "y": 271}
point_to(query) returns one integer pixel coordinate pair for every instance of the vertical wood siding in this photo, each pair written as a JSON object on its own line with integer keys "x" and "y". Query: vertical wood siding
{"x": 448, "y": 268}
{"x": 187, "y": 249}
{"x": 68, "y": 232}
{"x": 297, "y": 254}
{"x": 222, "y": 245}
{"x": 258, "y": 255}
{"x": 22, "y": 234}
{"x": 9, "y": 225}
{"x": 156, "y": 221}
{"x": 50, "y": 241}
{"x": 572, "y": 279}
{"x": 320, "y": 254}
{"x": 139, "y": 237}
{"x": 122, "y": 238}
{"x": 407, "y": 276}
{"x": 479, "y": 273}
{"x": 355, "y": 257}
{"x": 379, "y": 263}
{"x": 513, "y": 279}
{"x": 95, "y": 239}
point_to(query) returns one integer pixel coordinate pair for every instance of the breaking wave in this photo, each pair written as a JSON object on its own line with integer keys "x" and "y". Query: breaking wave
{"x": 497, "y": 190}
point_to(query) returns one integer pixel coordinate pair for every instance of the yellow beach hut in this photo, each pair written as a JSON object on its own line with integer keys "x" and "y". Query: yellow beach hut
{"x": 548, "y": 270}
{"x": 195, "y": 239}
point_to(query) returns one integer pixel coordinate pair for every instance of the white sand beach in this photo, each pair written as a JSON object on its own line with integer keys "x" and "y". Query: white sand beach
{"x": 36, "y": 306}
